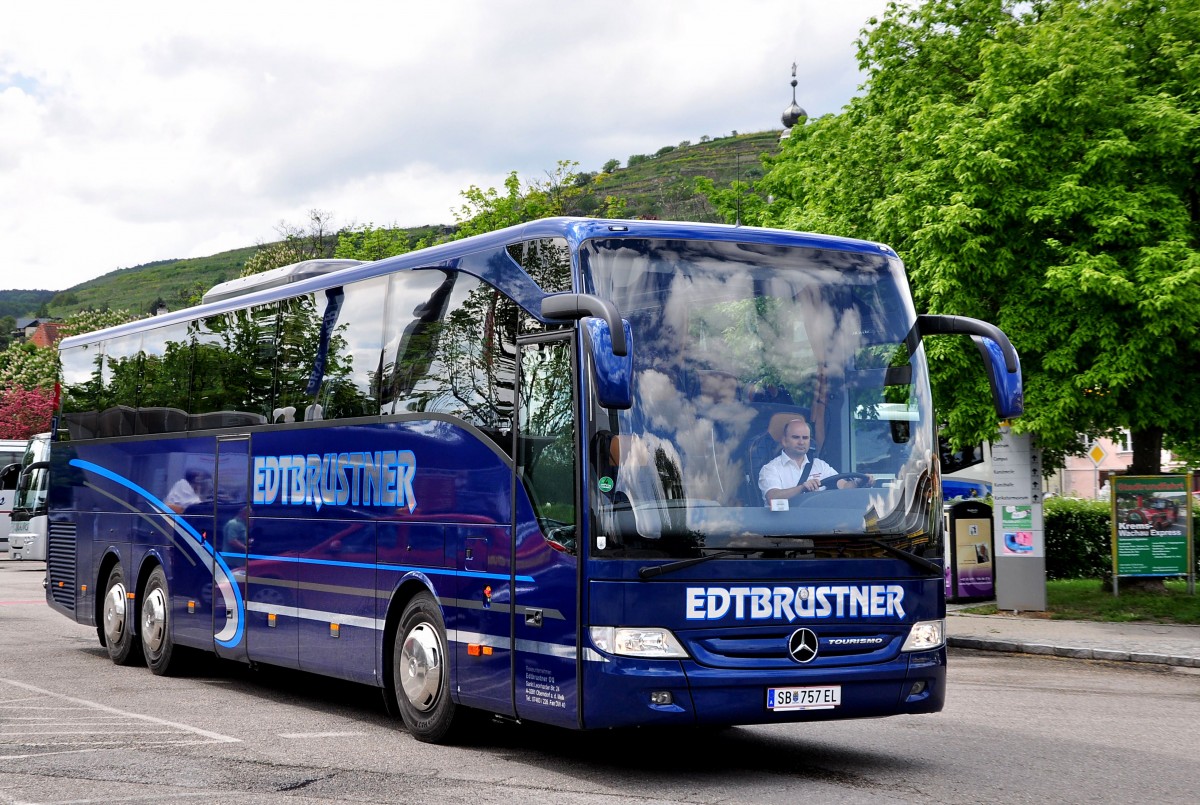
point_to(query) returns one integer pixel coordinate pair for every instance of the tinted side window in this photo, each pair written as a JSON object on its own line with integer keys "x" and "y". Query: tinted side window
{"x": 548, "y": 262}
{"x": 464, "y": 364}
{"x": 257, "y": 347}
{"x": 81, "y": 390}
{"x": 166, "y": 380}
{"x": 121, "y": 378}
{"x": 416, "y": 305}
{"x": 349, "y": 371}
{"x": 233, "y": 368}
{"x": 211, "y": 364}
{"x": 296, "y": 347}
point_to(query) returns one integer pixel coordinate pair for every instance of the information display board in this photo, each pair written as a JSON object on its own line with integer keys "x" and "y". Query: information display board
{"x": 1151, "y": 517}
{"x": 969, "y": 567}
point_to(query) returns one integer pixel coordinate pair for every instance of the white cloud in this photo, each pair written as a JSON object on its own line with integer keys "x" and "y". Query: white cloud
{"x": 135, "y": 131}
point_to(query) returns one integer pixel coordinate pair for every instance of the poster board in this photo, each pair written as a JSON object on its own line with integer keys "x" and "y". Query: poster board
{"x": 1151, "y": 525}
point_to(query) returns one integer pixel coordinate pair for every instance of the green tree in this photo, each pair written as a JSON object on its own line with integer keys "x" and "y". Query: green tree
{"x": 24, "y": 412}
{"x": 1035, "y": 165}
{"x": 369, "y": 242}
{"x": 315, "y": 239}
{"x": 86, "y": 321}
{"x": 25, "y": 366}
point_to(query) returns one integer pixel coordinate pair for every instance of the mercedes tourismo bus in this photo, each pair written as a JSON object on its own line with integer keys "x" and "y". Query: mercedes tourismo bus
{"x": 518, "y": 473}
{"x": 29, "y": 518}
{"x": 966, "y": 473}
{"x": 11, "y": 451}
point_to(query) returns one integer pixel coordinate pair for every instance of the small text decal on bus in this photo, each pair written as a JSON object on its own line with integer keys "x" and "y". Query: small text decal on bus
{"x": 383, "y": 478}
{"x": 774, "y": 603}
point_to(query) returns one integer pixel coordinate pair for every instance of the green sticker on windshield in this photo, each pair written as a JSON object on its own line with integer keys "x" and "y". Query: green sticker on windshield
{"x": 605, "y": 484}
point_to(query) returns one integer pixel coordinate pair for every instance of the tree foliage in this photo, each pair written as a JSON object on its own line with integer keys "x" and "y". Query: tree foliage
{"x": 24, "y": 412}
{"x": 27, "y": 377}
{"x": 564, "y": 191}
{"x": 315, "y": 239}
{"x": 26, "y": 366}
{"x": 86, "y": 321}
{"x": 1036, "y": 165}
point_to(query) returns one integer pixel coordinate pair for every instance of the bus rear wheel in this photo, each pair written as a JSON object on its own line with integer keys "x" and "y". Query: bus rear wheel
{"x": 421, "y": 672}
{"x": 123, "y": 649}
{"x": 158, "y": 646}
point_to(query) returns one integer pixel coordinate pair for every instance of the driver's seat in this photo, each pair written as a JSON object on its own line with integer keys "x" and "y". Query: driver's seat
{"x": 764, "y": 447}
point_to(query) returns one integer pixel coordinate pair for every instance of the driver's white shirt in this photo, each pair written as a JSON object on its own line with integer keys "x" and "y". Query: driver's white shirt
{"x": 783, "y": 472}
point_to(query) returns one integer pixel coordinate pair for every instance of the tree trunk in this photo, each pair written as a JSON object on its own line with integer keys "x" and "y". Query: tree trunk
{"x": 1147, "y": 451}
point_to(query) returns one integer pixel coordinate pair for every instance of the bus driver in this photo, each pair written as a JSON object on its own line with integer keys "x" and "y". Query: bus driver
{"x": 793, "y": 472}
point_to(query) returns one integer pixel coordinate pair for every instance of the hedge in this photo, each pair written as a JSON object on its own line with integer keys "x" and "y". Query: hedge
{"x": 1078, "y": 538}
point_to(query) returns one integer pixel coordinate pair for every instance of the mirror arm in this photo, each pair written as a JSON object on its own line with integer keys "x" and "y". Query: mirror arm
{"x": 935, "y": 324}
{"x": 574, "y": 306}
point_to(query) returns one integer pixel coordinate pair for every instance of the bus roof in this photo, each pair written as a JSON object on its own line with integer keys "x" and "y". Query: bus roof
{"x": 291, "y": 280}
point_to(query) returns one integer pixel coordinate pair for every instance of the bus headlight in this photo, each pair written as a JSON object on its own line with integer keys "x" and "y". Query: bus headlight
{"x": 925, "y": 635}
{"x": 644, "y": 642}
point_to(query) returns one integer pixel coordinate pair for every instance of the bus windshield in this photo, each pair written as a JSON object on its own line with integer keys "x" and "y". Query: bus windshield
{"x": 732, "y": 343}
{"x": 32, "y": 487}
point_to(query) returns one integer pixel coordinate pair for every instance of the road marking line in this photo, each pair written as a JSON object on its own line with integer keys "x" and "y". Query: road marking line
{"x": 214, "y": 736}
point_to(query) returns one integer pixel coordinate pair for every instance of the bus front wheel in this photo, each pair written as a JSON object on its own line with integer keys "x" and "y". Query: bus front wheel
{"x": 123, "y": 649}
{"x": 421, "y": 671}
{"x": 157, "y": 644}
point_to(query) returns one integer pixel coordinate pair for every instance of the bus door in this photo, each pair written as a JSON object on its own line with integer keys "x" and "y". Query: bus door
{"x": 230, "y": 540}
{"x": 8, "y": 493}
{"x": 546, "y": 560}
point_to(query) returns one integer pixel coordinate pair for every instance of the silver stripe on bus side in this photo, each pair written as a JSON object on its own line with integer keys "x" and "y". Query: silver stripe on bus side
{"x": 496, "y": 642}
{"x": 553, "y": 614}
{"x": 315, "y": 615}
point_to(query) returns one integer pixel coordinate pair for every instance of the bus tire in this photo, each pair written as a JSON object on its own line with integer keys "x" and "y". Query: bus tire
{"x": 158, "y": 646}
{"x": 421, "y": 671}
{"x": 122, "y": 647}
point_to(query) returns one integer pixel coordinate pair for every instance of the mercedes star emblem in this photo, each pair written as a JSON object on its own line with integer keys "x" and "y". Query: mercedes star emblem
{"x": 802, "y": 645}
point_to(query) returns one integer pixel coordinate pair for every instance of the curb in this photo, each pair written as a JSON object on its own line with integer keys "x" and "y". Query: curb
{"x": 1110, "y": 655}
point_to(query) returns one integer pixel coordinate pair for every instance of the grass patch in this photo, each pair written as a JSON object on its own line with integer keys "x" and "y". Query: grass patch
{"x": 1087, "y": 600}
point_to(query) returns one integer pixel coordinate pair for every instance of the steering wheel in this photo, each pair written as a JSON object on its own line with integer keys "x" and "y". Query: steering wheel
{"x": 859, "y": 478}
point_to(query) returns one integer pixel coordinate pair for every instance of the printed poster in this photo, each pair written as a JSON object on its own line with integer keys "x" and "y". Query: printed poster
{"x": 1151, "y": 525}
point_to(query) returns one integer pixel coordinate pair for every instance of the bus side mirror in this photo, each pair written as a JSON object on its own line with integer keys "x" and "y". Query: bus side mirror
{"x": 1007, "y": 393}
{"x": 614, "y": 373}
{"x": 1000, "y": 359}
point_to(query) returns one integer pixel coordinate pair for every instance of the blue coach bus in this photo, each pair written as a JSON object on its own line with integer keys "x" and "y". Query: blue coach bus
{"x": 522, "y": 473}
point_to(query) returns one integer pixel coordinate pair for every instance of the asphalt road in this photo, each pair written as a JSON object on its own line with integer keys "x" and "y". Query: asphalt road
{"x": 76, "y": 728}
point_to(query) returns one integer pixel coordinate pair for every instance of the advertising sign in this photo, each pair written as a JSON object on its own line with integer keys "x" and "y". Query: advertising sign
{"x": 1017, "y": 495}
{"x": 1151, "y": 525}
{"x": 969, "y": 574}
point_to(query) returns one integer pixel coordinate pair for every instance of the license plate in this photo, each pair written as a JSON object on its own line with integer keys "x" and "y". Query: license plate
{"x": 814, "y": 698}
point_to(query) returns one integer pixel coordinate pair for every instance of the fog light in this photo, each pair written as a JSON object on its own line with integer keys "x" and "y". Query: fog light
{"x": 918, "y": 687}
{"x": 660, "y": 697}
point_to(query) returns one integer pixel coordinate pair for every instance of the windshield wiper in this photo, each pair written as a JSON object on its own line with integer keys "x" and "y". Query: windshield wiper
{"x": 651, "y": 571}
{"x": 919, "y": 562}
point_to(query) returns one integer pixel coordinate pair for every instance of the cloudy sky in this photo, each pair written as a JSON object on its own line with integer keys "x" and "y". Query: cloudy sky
{"x": 133, "y": 132}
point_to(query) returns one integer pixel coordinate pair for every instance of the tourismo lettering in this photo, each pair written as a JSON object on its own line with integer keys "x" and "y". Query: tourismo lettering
{"x": 383, "y": 478}
{"x": 790, "y": 603}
